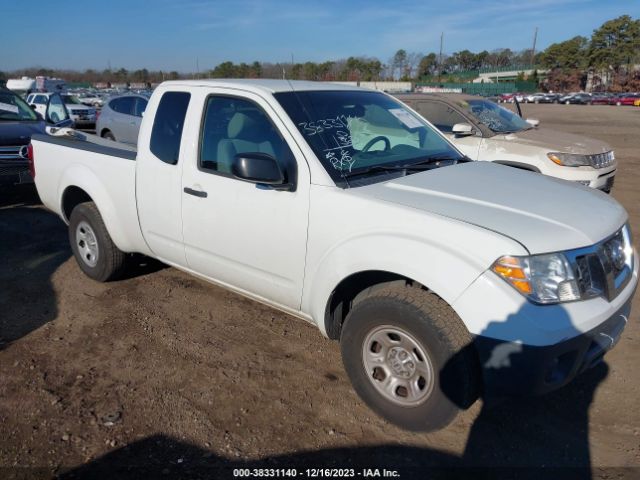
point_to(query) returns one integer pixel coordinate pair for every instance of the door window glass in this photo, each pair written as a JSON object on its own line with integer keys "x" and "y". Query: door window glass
{"x": 167, "y": 126}
{"x": 123, "y": 105}
{"x": 441, "y": 115}
{"x": 234, "y": 126}
{"x": 140, "y": 106}
{"x": 56, "y": 112}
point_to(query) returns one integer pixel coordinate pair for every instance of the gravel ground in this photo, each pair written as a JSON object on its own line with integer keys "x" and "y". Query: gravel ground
{"x": 164, "y": 375}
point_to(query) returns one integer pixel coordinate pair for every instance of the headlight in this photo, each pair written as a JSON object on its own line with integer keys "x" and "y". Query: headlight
{"x": 569, "y": 159}
{"x": 596, "y": 160}
{"x": 541, "y": 278}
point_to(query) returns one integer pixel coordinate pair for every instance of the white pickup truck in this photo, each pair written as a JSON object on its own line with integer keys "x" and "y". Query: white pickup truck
{"x": 443, "y": 279}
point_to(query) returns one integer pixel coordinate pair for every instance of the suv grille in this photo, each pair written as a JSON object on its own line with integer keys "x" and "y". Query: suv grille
{"x": 11, "y": 153}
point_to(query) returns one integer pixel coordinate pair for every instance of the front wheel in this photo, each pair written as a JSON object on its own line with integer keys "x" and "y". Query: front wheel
{"x": 95, "y": 252}
{"x": 409, "y": 356}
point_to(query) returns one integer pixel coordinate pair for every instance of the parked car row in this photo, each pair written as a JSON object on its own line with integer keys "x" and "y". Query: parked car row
{"x": 574, "y": 98}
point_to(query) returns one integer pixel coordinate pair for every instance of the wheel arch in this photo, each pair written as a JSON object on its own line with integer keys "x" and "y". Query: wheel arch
{"x": 342, "y": 298}
{"x": 79, "y": 184}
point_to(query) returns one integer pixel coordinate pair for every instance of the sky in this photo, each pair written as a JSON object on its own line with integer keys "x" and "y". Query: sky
{"x": 198, "y": 34}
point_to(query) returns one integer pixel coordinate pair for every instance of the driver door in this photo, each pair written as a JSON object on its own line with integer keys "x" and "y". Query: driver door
{"x": 241, "y": 234}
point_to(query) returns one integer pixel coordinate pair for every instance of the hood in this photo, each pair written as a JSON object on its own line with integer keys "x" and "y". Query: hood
{"x": 554, "y": 141}
{"x": 19, "y": 133}
{"x": 542, "y": 213}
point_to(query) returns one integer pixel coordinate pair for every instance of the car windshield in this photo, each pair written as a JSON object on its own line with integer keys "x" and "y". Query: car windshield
{"x": 71, "y": 99}
{"x": 13, "y": 108}
{"x": 364, "y": 134}
{"x": 494, "y": 116}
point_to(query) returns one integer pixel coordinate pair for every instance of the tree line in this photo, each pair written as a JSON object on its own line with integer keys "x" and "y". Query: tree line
{"x": 609, "y": 55}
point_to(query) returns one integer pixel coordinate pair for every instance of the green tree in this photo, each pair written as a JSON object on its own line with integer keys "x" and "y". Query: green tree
{"x": 224, "y": 70}
{"x": 615, "y": 43}
{"x": 399, "y": 61}
{"x": 567, "y": 55}
{"x": 427, "y": 65}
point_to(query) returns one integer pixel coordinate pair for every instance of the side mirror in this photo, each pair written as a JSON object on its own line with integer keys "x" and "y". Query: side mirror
{"x": 33, "y": 106}
{"x": 533, "y": 122}
{"x": 260, "y": 168}
{"x": 462, "y": 129}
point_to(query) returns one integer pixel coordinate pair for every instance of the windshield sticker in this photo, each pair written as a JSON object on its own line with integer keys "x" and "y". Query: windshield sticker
{"x": 7, "y": 107}
{"x": 405, "y": 117}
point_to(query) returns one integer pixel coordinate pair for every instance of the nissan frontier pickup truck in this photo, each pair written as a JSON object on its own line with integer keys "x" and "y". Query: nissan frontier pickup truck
{"x": 442, "y": 278}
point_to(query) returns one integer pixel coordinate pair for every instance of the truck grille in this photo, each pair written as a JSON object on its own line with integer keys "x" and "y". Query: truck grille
{"x": 604, "y": 269}
{"x": 601, "y": 160}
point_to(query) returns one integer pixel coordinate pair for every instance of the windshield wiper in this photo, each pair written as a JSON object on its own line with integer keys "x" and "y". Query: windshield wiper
{"x": 424, "y": 164}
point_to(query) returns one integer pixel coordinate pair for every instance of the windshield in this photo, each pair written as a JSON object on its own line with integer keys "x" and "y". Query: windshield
{"x": 12, "y": 108}
{"x": 494, "y": 116}
{"x": 71, "y": 99}
{"x": 354, "y": 132}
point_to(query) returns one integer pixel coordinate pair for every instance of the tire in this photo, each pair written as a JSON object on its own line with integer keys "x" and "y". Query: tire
{"x": 108, "y": 135}
{"x": 438, "y": 358}
{"x": 95, "y": 252}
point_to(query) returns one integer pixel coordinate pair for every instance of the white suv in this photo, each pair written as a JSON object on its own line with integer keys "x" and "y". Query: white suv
{"x": 82, "y": 116}
{"x": 484, "y": 130}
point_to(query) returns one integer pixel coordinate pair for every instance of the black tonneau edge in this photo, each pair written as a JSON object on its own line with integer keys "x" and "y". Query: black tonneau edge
{"x": 85, "y": 145}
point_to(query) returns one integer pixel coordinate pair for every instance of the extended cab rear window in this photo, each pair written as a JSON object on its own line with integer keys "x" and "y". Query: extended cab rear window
{"x": 167, "y": 126}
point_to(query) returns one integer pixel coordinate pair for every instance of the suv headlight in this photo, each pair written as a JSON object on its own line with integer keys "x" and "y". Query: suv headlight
{"x": 543, "y": 279}
{"x": 569, "y": 159}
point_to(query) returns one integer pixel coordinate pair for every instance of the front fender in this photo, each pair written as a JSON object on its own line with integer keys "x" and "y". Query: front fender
{"x": 444, "y": 268}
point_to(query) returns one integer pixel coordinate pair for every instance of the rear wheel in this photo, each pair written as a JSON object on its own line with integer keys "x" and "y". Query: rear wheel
{"x": 108, "y": 135}
{"x": 409, "y": 356}
{"x": 95, "y": 252}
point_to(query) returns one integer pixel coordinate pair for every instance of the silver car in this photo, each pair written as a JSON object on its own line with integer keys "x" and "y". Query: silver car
{"x": 121, "y": 117}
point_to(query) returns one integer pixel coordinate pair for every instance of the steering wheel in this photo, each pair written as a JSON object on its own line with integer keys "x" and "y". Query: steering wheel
{"x": 374, "y": 140}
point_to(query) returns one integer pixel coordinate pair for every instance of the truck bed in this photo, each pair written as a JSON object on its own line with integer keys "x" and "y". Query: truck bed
{"x": 91, "y": 143}
{"x": 72, "y": 163}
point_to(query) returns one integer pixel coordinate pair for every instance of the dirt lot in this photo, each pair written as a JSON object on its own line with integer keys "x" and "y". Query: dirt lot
{"x": 162, "y": 374}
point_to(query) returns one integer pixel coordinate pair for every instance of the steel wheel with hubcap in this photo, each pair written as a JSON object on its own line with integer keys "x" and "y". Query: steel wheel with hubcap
{"x": 409, "y": 356}
{"x": 95, "y": 252}
{"x": 398, "y": 365}
{"x": 87, "y": 244}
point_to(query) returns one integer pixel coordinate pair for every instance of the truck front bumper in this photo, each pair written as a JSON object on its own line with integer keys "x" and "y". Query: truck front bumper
{"x": 511, "y": 369}
{"x": 527, "y": 349}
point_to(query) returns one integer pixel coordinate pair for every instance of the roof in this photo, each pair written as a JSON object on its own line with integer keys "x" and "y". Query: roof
{"x": 264, "y": 84}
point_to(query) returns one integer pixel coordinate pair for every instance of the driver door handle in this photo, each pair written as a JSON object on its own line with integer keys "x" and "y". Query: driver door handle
{"x": 195, "y": 193}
